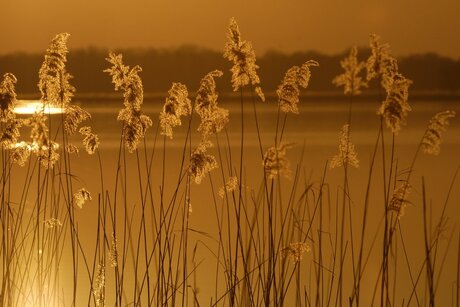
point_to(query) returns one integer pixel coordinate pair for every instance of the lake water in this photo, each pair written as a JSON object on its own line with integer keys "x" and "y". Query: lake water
{"x": 314, "y": 133}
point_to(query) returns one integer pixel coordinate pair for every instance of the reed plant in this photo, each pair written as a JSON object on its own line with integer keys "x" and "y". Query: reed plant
{"x": 274, "y": 235}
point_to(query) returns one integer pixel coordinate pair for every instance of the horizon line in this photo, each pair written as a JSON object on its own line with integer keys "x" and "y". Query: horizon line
{"x": 216, "y": 50}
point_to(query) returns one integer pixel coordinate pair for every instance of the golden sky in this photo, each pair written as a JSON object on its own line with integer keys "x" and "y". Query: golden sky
{"x": 331, "y": 26}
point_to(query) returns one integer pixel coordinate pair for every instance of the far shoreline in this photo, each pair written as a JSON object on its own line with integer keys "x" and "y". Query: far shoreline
{"x": 270, "y": 96}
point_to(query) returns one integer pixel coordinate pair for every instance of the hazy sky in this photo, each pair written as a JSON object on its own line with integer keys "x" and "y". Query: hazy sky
{"x": 331, "y": 26}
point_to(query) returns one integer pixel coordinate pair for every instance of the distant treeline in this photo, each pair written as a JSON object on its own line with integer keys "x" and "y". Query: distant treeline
{"x": 188, "y": 64}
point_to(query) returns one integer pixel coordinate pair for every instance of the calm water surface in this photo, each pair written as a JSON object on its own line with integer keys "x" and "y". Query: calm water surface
{"x": 314, "y": 133}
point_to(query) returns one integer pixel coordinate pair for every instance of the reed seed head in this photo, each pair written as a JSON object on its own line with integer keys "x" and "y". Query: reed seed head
{"x": 213, "y": 121}
{"x": 10, "y": 133}
{"x": 201, "y": 162}
{"x": 289, "y": 90}
{"x": 431, "y": 142}
{"x": 54, "y": 79}
{"x": 10, "y": 127}
{"x": 275, "y": 161}
{"x": 80, "y": 197}
{"x": 135, "y": 125}
{"x": 381, "y": 64}
{"x": 48, "y": 154}
{"x": 213, "y": 118}
{"x": 74, "y": 115}
{"x": 113, "y": 254}
{"x": 177, "y": 104}
{"x": 43, "y": 146}
{"x": 7, "y": 97}
{"x": 295, "y": 251}
{"x": 243, "y": 57}
{"x": 206, "y": 96}
{"x": 72, "y": 149}
{"x": 20, "y": 153}
{"x": 90, "y": 140}
{"x": 230, "y": 186}
{"x": 99, "y": 285}
{"x": 347, "y": 154}
{"x": 127, "y": 80}
{"x": 351, "y": 80}
{"x": 135, "y": 122}
{"x": 399, "y": 201}
{"x": 395, "y": 108}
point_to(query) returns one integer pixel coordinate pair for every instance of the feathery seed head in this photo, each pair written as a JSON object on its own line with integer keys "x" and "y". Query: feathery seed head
{"x": 56, "y": 52}
{"x": 304, "y": 73}
{"x": 118, "y": 71}
{"x": 53, "y": 77}
{"x": 433, "y": 135}
{"x": 113, "y": 255}
{"x": 381, "y": 63}
{"x": 206, "y": 96}
{"x": 347, "y": 153}
{"x": 135, "y": 122}
{"x": 350, "y": 79}
{"x": 289, "y": 90}
{"x": 127, "y": 80}
{"x": 295, "y": 251}
{"x": 243, "y": 57}
{"x": 201, "y": 162}
{"x": 230, "y": 186}
{"x": 213, "y": 118}
{"x": 7, "y": 97}
{"x": 80, "y": 197}
{"x": 99, "y": 286}
{"x": 135, "y": 125}
{"x": 48, "y": 154}
{"x": 177, "y": 104}
{"x": 399, "y": 199}
{"x": 259, "y": 93}
{"x": 396, "y": 107}
{"x": 20, "y": 153}
{"x": 275, "y": 161}
{"x": 72, "y": 149}
{"x": 44, "y": 147}
{"x": 74, "y": 115}
{"x": 90, "y": 140}
{"x": 10, "y": 133}
{"x": 39, "y": 129}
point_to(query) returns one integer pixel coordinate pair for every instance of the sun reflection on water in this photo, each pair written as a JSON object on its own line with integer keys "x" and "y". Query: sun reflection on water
{"x": 33, "y": 106}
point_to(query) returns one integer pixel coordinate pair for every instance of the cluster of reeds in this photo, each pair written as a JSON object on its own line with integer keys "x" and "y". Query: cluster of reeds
{"x": 280, "y": 238}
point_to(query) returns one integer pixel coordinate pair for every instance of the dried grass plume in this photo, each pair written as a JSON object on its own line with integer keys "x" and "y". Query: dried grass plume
{"x": 275, "y": 161}
{"x": 201, "y": 162}
{"x": 80, "y": 197}
{"x": 395, "y": 108}
{"x": 177, "y": 104}
{"x": 135, "y": 122}
{"x": 350, "y": 79}
{"x": 431, "y": 142}
{"x": 243, "y": 57}
{"x": 347, "y": 154}
{"x": 213, "y": 117}
{"x": 289, "y": 90}
{"x": 90, "y": 140}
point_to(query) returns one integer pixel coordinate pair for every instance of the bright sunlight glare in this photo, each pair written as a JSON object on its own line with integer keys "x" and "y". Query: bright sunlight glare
{"x": 33, "y": 106}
